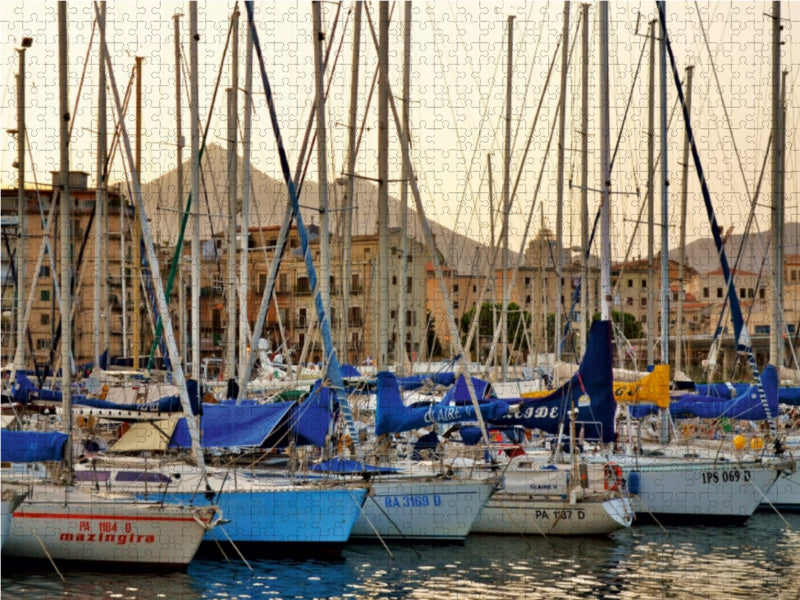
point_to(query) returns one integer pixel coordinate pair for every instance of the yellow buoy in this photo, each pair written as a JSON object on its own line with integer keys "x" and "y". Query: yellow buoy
{"x": 739, "y": 442}
{"x": 757, "y": 443}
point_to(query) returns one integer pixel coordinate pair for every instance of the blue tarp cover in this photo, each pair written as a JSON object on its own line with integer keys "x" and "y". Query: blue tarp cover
{"x": 589, "y": 390}
{"x": 747, "y": 405}
{"x": 310, "y": 419}
{"x": 231, "y": 426}
{"x": 31, "y": 446}
{"x": 392, "y": 416}
{"x": 341, "y": 465}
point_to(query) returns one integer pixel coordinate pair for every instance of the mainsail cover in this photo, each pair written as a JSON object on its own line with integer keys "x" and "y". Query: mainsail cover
{"x": 589, "y": 391}
{"x": 392, "y": 416}
{"x": 32, "y": 446}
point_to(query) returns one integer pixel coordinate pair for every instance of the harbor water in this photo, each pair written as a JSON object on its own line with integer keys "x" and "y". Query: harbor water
{"x": 758, "y": 560}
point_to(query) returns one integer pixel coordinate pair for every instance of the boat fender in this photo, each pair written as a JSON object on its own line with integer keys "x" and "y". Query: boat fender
{"x": 612, "y": 476}
{"x": 583, "y": 473}
{"x": 634, "y": 481}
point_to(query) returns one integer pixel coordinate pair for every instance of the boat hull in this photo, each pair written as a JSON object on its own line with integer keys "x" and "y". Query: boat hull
{"x": 705, "y": 493}
{"x": 514, "y": 514}
{"x": 424, "y": 509}
{"x": 784, "y": 495}
{"x": 107, "y": 533}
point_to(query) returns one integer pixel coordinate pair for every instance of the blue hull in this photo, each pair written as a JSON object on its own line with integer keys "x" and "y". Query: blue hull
{"x": 291, "y": 517}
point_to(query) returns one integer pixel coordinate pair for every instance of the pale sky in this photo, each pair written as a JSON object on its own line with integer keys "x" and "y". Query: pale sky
{"x": 458, "y": 94}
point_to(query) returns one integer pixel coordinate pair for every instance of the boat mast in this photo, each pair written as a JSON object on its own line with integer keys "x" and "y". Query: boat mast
{"x": 100, "y": 199}
{"x": 350, "y": 181}
{"x": 244, "y": 321}
{"x": 65, "y": 237}
{"x": 651, "y": 275}
{"x": 21, "y": 225}
{"x": 506, "y": 199}
{"x": 562, "y": 108}
{"x": 322, "y": 163}
{"x": 383, "y": 187}
{"x": 230, "y": 283}
{"x": 179, "y": 171}
{"x": 682, "y": 243}
{"x": 195, "y": 142}
{"x": 102, "y": 143}
{"x": 404, "y": 187}
{"x": 585, "y": 180}
{"x": 136, "y": 231}
{"x": 776, "y": 343}
{"x": 605, "y": 214}
{"x": 664, "y": 221}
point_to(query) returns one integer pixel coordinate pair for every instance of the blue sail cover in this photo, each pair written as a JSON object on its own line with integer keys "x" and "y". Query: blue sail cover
{"x": 25, "y": 391}
{"x": 344, "y": 466}
{"x": 590, "y": 390}
{"x": 310, "y": 420}
{"x": 32, "y": 446}
{"x": 232, "y": 426}
{"x": 747, "y": 405}
{"x": 459, "y": 393}
{"x": 413, "y": 382}
{"x": 392, "y": 416}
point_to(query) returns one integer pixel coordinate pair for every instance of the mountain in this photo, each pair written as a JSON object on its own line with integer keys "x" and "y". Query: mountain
{"x": 268, "y": 203}
{"x": 702, "y": 254}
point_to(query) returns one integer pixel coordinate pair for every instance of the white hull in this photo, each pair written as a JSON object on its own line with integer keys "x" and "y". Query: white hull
{"x": 104, "y": 531}
{"x": 10, "y": 500}
{"x": 515, "y": 514}
{"x": 696, "y": 492}
{"x": 423, "y": 509}
{"x": 784, "y": 495}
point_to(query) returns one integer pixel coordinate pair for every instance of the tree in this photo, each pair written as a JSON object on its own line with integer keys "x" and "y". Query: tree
{"x": 631, "y": 328}
{"x": 519, "y": 322}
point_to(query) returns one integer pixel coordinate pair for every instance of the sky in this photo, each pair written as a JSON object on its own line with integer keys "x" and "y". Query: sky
{"x": 457, "y": 102}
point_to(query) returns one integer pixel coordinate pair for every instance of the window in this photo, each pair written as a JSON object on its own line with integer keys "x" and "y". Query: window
{"x": 44, "y": 271}
{"x": 630, "y": 282}
{"x": 644, "y": 301}
{"x": 44, "y": 319}
{"x": 455, "y": 304}
{"x": 354, "y": 316}
{"x": 394, "y": 279}
{"x": 474, "y": 289}
{"x": 761, "y": 293}
{"x": 455, "y": 288}
{"x": 43, "y": 343}
{"x": 751, "y": 293}
{"x": 408, "y": 284}
{"x": 644, "y": 284}
{"x": 705, "y": 292}
{"x": 629, "y": 301}
{"x": 719, "y": 292}
{"x": 302, "y": 285}
{"x": 794, "y": 275}
{"x": 411, "y": 318}
{"x": 528, "y": 299}
{"x": 742, "y": 293}
{"x": 262, "y": 282}
{"x": 527, "y": 281}
{"x": 392, "y": 314}
{"x": 301, "y": 317}
{"x": 44, "y": 295}
{"x": 366, "y": 253}
{"x": 675, "y": 296}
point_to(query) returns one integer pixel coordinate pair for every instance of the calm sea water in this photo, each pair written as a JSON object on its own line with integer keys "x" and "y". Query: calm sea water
{"x": 758, "y": 560}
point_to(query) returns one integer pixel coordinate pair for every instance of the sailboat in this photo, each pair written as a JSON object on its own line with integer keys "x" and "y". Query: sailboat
{"x": 72, "y": 524}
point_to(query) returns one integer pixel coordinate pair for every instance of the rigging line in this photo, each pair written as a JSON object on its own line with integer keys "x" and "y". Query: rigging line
{"x": 495, "y": 250}
{"x": 628, "y": 106}
{"x": 512, "y": 279}
{"x": 722, "y": 100}
{"x": 742, "y": 336}
{"x": 468, "y": 176}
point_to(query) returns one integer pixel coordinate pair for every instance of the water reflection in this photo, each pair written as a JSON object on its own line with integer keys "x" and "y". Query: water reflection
{"x": 761, "y": 559}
